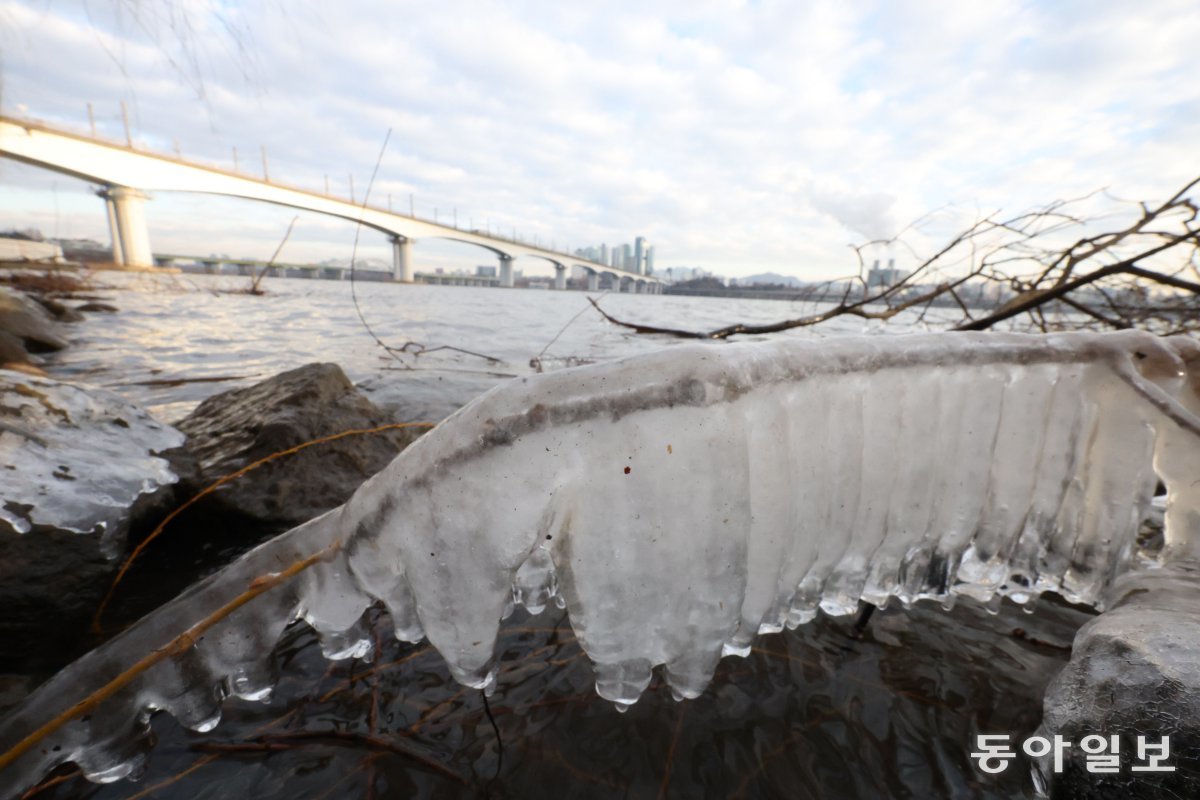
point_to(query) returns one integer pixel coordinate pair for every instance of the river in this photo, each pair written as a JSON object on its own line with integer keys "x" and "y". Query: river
{"x": 196, "y": 326}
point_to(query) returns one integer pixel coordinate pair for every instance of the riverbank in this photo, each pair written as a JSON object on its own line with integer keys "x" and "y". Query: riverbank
{"x": 892, "y": 713}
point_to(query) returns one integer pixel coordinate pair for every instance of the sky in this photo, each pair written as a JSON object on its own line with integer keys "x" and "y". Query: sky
{"x": 739, "y": 137}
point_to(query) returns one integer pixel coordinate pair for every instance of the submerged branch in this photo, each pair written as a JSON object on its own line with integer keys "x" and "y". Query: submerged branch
{"x": 274, "y": 743}
{"x": 180, "y": 644}
{"x": 262, "y": 273}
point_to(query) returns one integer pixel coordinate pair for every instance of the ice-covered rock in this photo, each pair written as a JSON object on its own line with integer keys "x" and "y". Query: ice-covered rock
{"x": 77, "y": 466}
{"x": 1134, "y": 672}
{"x": 677, "y": 505}
{"x": 235, "y": 428}
{"x": 75, "y": 458}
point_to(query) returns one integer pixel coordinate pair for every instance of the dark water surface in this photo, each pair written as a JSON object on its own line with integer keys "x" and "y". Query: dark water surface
{"x": 810, "y": 713}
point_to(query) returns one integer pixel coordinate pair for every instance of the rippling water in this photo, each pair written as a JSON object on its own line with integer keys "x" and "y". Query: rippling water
{"x": 199, "y": 326}
{"x": 809, "y": 714}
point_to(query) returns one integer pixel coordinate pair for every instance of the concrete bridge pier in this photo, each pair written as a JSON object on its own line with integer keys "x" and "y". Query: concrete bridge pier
{"x": 114, "y": 230}
{"x": 127, "y": 226}
{"x": 402, "y": 259}
{"x": 593, "y": 281}
{"x": 560, "y": 277}
{"x": 506, "y": 271}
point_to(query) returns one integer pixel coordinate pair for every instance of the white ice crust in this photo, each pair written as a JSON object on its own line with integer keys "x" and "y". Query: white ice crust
{"x": 681, "y": 503}
{"x": 75, "y": 458}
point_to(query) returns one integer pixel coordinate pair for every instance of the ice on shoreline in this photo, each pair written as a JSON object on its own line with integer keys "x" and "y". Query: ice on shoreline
{"x": 679, "y": 504}
{"x": 76, "y": 458}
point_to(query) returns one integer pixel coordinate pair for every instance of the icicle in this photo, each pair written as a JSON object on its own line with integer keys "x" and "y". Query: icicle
{"x": 679, "y": 504}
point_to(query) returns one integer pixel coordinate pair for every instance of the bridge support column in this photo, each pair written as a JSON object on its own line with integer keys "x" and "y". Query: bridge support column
{"x": 560, "y": 277}
{"x": 402, "y": 259}
{"x": 114, "y": 230}
{"x": 593, "y": 281}
{"x": 506, "y": 271}
{"x": 127, "y": 225}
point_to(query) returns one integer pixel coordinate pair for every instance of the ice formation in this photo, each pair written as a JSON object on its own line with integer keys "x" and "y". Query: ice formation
{"x": 76, "y": 458}
{"x": 677, "y": 505}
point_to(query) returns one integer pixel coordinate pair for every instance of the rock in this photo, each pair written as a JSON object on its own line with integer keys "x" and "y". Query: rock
{"x": 78, "y": 470}
{"x": 1134, "y": 671}
{"x": 28, "y": 321}
{"x": 93, "y": 306}
{"x": 233, "y": 429}
{"x": 12, "y": 349}
{"x": 61, "y": 312}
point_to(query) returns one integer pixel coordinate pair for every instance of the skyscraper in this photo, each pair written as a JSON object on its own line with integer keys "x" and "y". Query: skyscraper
{"x": 650, "y": 261}
{"x": 639, "y": 255}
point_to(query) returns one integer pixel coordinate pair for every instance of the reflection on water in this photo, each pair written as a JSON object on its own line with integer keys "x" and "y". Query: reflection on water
{"x": 810, "y": 713}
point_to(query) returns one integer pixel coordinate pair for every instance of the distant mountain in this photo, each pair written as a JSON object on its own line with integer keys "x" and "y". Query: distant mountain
{"x": 769, "y": 278}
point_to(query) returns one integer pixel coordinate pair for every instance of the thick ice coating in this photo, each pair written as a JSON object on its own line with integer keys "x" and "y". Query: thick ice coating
{"x": 76, "y": 458}
{"x": 681, "y": 503}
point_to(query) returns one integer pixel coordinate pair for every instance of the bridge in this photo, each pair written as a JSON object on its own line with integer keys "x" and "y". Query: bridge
{"x": 128, "y": 175}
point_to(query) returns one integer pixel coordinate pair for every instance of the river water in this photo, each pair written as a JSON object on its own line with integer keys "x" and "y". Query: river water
{"x": 196, "y": 326}
{"x": 812, "y": 713}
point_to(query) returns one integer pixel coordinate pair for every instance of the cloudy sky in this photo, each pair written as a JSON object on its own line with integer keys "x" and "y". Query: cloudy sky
{"x": 736, "y": 136}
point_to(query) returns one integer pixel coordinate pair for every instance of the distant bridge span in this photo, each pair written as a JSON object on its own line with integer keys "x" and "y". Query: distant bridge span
{"x": 128, "y": 174}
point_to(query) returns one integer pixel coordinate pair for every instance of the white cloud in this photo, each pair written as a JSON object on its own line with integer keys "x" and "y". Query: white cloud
{"x": 736, "y": 136}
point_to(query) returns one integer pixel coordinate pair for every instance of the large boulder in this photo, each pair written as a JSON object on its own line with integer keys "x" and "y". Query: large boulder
{"x": 231, "y": 430}
{"x": 79, "y": 468}
{"x": 1134, "y": 672}
{"x": 28, "y": 321}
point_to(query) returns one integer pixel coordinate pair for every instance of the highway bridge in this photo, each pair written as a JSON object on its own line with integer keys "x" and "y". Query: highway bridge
{"x": 128, "y": 175}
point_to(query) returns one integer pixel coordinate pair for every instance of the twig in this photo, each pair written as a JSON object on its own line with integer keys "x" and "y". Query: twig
{"x": 169, "y": 382}
{"x": 262, "y": 272}
{"x": 487, "y": 790}
{"x": 536, "y": 361}
{"x": 290, "y": 741}
{"x": 177, "y": 646}
{"x": 137, "y": 551}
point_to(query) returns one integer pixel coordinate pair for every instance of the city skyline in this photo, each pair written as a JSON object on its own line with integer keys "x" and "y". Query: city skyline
{"x": 751, "y": 137}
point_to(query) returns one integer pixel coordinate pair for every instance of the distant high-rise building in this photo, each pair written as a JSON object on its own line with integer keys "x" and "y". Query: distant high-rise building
{"x": 639, "y": 255}
{"x": 882, "y": 278}
{"x": 650, "y": 261}
{"x": 627, "y": 258}
{"x": 615, "y": 257}
{"x": 603, "y": 254}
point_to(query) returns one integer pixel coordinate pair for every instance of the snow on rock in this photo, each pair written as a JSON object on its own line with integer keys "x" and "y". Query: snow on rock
{"x": 680, "y": 503}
